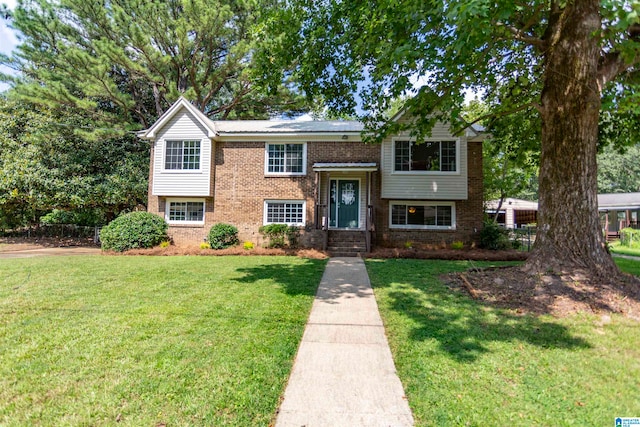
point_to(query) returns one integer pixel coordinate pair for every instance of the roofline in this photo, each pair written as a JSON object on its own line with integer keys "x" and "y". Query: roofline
{"x": 181, "y": 102}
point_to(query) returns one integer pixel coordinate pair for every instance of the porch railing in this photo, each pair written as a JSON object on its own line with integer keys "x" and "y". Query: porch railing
{"x": 322, "y": 223}
{"x": 370, "y": 226}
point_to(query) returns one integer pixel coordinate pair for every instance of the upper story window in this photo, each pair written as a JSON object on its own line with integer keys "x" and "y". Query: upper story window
{"x": 182, "y": 155}
{"x": 286, "y": 159}
{"x": 438, "y": 156}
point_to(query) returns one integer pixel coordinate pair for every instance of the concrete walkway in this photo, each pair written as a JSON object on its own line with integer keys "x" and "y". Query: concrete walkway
{"x": 344, "y": 374}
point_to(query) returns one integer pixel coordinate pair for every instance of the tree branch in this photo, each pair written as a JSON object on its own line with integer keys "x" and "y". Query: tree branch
{"x": 521, "y": 35}
{"x": 496, "y": 115}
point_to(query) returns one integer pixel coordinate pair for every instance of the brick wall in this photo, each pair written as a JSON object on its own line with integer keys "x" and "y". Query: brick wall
{"x": 239, "y": 188}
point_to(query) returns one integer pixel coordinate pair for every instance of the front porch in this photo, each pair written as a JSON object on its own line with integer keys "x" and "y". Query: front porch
{"x": 344, "y": 211}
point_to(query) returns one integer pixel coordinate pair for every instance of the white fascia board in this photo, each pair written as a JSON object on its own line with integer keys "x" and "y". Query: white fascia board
{"x": 179, "y": 104}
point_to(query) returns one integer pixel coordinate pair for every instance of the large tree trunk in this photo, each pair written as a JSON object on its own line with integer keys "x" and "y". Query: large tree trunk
{"x": 569, "y": 233}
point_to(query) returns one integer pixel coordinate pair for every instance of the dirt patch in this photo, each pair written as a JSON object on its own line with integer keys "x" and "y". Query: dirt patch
{"x": 12, "y": 244}
{"x": 556, "y": 294}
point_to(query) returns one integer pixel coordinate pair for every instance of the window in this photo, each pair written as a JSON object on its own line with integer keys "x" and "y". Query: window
{"x": 424, "y": 215}
{"x": 286, "y": 159}
{"x": 185, "y": 211}
{"x": 182, "y": 155}
{"x": 437, "y": 156}
{"x": 284, "y": 212}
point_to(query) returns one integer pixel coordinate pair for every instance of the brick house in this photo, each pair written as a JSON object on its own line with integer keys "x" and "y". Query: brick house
{"x": 317, "y": 175}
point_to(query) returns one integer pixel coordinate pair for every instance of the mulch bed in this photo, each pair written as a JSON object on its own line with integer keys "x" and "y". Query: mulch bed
{"x": 557, "y": 294}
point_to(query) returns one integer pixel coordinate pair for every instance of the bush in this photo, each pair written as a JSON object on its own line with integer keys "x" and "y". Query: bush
{"x": 457, "y": 245}
{"x": 281, "y": 235}
{"x": 494, "y": 237}
{"x": 630, "y": 237}
{"x": 248, "y": 246}
{"x": 134, "y": 230}
{"x": 87, "y": 218}
{"x": 223, "y": 236}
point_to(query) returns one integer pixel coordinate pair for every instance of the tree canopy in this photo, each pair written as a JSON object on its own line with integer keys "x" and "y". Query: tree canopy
{"x": 564, "y": 60}
{"x": 124, "y": 62}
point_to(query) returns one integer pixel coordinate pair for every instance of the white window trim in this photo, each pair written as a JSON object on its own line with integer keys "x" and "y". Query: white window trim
{"x": 419, "y": 172}
{"x": 170, "y": 200}
{"x": 304, "y": 212}
{"x": 422, "y": 227}
{"x": 304, "y": 159}
{"x": 180, "y": 171}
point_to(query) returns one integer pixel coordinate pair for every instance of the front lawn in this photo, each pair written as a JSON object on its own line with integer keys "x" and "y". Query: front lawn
{"x": 617, "y": 248}
{"x": 149, "y": 341}
{"x": 463, "y": 363}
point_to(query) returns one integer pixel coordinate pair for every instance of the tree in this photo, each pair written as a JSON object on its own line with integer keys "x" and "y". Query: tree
{"x": 560, "y": 57}
{"x": 619, "y": 172}
{"x": 45, "y": 165}
{"x": 124, "y": 62}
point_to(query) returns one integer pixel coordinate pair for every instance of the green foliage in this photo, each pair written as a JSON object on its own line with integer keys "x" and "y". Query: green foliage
{"x": 134, "y": 230}
{"x": 494, "y": 237}
{"x": 458, "y": 245}
{"x": 619, "y": 169}
{"x": 87, "y": 218}
{"x": 124, "y": 64}
{"x": 281, "y": 235}
{"x": 223, "y": 236}
{"x": 630, "y": 237}
{"x": 44, "y": 165}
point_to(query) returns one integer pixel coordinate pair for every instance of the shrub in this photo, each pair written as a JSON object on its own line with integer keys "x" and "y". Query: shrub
{"x": 165, "y": 244}
{"x": 630, "y": 237}
{"x": 134, "y": 230}
{"x": 248, "y": 246}
{"x": 205, "y": 245}
{"x": 457, "y": 245}
{"x": 494, "y": 237}
{"x": 223, "y": 236}
{"x": 281, "y": 235}
{"x": 87, "y": 218}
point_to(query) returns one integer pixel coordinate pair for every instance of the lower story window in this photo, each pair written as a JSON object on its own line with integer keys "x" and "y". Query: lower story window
{"x": 423, "y": 215}
{"x": 284, "y": 212}
{"x": 185, "y": 211}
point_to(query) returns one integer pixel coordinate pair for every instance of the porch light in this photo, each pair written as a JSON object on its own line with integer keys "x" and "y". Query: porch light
{"x": 412, "y": 210}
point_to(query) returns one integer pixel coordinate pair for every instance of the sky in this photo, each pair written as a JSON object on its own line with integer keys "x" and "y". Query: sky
{"x": 8, "y": 40}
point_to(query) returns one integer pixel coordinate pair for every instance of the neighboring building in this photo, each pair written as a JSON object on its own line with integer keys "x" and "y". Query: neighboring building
{"x": 317, "y": 175}
{"x": 618, "y": 211}
{"x": 513, "y": 213}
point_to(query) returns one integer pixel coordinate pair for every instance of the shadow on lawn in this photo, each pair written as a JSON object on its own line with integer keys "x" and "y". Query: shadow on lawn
{"x": 464, "y": 328}
{"x": 298, "y": 279}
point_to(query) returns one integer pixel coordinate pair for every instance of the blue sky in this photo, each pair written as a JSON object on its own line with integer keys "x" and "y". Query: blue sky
{"x": 8, "y": 39}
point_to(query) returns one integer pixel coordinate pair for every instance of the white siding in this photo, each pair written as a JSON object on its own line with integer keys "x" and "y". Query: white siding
{"x": 183, "y": 126}
{"x": 421, "y": 185}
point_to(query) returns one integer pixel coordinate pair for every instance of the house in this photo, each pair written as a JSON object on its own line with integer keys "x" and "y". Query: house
{"x": 513, "y": 213}
{"x": 317, "y": 175}
{"x": 618, "y": 211}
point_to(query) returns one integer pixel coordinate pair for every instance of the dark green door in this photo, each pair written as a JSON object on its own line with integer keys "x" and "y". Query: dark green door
{"x": 345, "y": 203}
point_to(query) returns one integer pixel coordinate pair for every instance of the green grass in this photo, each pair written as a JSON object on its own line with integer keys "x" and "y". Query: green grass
{"x": 463, "y": 363}
{"x": 630, "y": 266}
{"x": 617, "y": 248}
{"x": 145, "y": 341}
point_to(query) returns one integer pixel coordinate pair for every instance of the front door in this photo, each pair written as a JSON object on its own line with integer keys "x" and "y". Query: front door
{"x": 345, "y": 203}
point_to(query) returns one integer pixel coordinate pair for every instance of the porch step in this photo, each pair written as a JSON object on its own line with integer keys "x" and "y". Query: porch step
{"x": 346, "y": 243}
